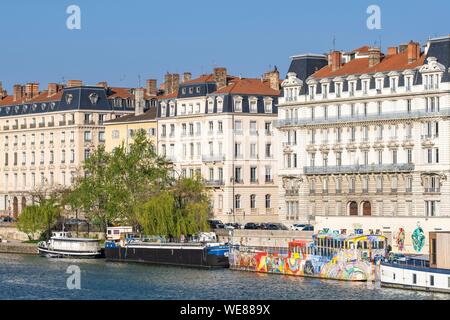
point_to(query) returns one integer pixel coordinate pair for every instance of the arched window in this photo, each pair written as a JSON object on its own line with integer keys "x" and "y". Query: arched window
{"x": 253, "y": 201}
{"x": 268, "y": 201}
{"x": 237, "y": 201}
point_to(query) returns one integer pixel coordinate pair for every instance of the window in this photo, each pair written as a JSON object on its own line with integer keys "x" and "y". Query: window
{"x": 253, "y": 106}
{"x": 115, "y": 134}
{"x": 253, "y": 201}
{"x": 87, "y": 136}
{"x": 253, "y": 175}
{"x": 87, "y": 154}
{"x": 237, "y": 174}
{"x": 238, "y": 105}
{"x": 268, "y": 150}
{"x": 237, "y": 201}
{"x": 101, "y": 136}
{"x": 268, "y": 106}
{"x": 72, "y": 156}
{"x": 268, "y": 201}
{"x": 268, "y": 174}
{"x": 431, "y": 280}
{"x": 414, "y": 279}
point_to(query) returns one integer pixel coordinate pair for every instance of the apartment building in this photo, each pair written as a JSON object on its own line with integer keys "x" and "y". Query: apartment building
{"x": 366, "y": 141}
{"x": 220, "y": 127}
{"x": 46, "y": 135}
{"x": 121, "y": 131}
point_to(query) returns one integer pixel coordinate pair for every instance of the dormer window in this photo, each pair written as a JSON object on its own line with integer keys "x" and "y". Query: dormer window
{"x": 352, "y": 88}
{"x": 432, "y": 73}
{"x": 191, "y": 90}
{"x": 183, "y": 91}
{"x": 197, "y": 89}
{"x": 408, "y": 83}
{"x": 238, "y": 104}
{"x": 210, "y": 106}
{"x": 292, "y": 87}
{"x": 338, "y": 89}
{"x": 268, "y": 103}
{"x": 325, "y": 91}
{"x": 253, "y": 102}
{"x": 312, "y": 92}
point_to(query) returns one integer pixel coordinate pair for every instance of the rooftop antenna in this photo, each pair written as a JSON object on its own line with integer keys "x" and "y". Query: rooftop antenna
{"x": 139, "y": 80}
{"x": 380, "y": 42}
{"x": 334, "y": 43}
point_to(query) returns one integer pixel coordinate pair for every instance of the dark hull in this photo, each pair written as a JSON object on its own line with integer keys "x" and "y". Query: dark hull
{"x": 175, "y": 257}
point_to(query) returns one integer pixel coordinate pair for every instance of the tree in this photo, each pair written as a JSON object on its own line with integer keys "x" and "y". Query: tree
{"x": 182, "y": 209}
{"x": 114, "y": 183}
{"x": 39, "y": 217}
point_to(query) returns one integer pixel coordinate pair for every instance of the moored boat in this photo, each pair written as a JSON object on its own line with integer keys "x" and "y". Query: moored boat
{"x": 329, "y": 256}
{"x": 63, "y": 245}
{"x": 193, "y": 254}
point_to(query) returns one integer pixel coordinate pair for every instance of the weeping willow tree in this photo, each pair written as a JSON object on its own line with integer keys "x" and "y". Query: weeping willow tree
{"x": 39, "y": 217}
{"x": 182, "y": 209}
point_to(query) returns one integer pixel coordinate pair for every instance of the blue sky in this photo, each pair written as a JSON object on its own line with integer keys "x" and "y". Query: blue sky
{"x": 122, "y": 40}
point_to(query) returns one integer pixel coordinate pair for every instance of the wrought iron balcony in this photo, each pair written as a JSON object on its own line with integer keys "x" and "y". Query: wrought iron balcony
{"x": 359, "y": 169}
{"x": 358, "y": 118}
{"x": 215, "y": 183}
{"x": 213, "y": 158}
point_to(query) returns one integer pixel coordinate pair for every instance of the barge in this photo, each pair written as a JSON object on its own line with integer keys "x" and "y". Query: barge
{"x": 198, "y": 255}
{"x": 329, "y": 256}
{"x": 422, "y": 273}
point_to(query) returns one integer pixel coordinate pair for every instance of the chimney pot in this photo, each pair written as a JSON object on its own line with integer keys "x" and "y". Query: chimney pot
{"x": 336, "y": 60}
{"x": 52, "y": 89}
{"x": 139, "y": 101}
{"x": 413, "y": 52}
{"x": 273, "y": 77}
{"x": 152, "y": 86}
{"x": 374, "y": 57}
{"x": 17, "y": 92}
{"x": 392, "y": 51}
{"x": 187, "y": 76}
{"x": 74, "y": 83}
{"x": 102, "y": 84}
{"x": 220, "y": 77}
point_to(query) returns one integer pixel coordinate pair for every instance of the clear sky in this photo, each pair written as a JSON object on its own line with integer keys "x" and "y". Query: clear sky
{"x": 122, "y": 40}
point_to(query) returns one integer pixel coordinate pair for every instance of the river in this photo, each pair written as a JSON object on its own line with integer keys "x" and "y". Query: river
{"x": 33, "y": 277}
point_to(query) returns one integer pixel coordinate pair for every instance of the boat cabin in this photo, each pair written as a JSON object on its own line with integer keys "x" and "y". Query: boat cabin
{"x": 115, "y": 233}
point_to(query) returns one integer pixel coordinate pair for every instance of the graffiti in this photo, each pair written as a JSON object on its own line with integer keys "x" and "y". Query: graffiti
{"x": 329, "y": 256}
{"x": 401, "y": 239}
{"x": 418, "y": 239}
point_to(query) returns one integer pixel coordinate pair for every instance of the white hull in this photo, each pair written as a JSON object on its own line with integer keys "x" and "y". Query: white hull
{"x": 68, "y": 254}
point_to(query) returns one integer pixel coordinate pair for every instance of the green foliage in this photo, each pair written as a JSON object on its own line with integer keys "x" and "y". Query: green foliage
{"x": 39, "y": 217}
{"x": 182, "y": 209}
{"x": 134, "y": 186}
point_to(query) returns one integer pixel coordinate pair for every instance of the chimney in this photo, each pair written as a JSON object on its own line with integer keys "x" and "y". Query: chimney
{"x": 103, "y": 84}
{"x": 139, "y": 101}
{"x": 392, "y": 51}
{"x": 187, "y": 76}
{"x": 152, "y": 86}
{"x": 413, "y": 52}
{"x": 167, "y": 83}
{"x": 336, "y": 60}
{"x": 74, "y": 83}
{"x": 220, "y": 77}
{"x": 374, "y": 57}
{"x": 402, "y": 48}
{"x": 52, "y": 89}
{"x": 175, "y": 82}
{"x": 17, "y": 92}
{"x": 31, "y": 90}
{"x": 274, "y": 78}
{"x": 2, "y": 93}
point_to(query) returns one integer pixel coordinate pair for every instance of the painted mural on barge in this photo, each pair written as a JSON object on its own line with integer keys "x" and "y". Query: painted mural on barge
{"x": 329, "y": 256}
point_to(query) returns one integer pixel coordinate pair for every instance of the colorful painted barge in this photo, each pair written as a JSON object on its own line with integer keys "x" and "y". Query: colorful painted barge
{"x": 328, "y": 256}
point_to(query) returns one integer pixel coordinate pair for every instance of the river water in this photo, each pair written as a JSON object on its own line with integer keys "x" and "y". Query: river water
{"x": 33, "y": 277}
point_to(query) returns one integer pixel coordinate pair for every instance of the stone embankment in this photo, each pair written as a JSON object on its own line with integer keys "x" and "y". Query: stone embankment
{"x": 263, "y": 238}
{"x": 18, "y": 248}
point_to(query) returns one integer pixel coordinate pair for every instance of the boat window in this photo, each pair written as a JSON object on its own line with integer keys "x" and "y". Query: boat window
{"x": 431, "y": 280}
{"x": 414, "y": 278}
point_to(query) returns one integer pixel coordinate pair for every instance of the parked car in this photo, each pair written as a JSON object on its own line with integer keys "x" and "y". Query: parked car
{"x": 216, "y": 224}
{"x": 297, "y": 227}
{"x": 308, "y": 228}
{"x": 263, "y": 226}
{"x": 251, "y": 226}
{"x": 232, "y": 226}
{"x": 8, "y": 219}
{"x": 276, "y": 226}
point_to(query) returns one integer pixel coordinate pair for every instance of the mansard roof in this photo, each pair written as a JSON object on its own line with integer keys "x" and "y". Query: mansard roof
{"x": 396, "y": 62}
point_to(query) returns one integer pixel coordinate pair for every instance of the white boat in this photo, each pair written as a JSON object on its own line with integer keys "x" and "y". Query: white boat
{"x": 63, "y": 245}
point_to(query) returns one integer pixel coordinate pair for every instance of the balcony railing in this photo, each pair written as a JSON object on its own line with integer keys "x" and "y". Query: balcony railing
{"x": 432, "y": 190}
{"x": 41, "y": 125}
{"x": 358, "y": 118}
{"x": 213, "y": 158}
{"x": 359, "y": 169}
{"x": 214, "y": 183}
{"x": 62, "y": 123}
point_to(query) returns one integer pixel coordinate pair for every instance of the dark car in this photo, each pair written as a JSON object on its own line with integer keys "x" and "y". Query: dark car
{"x": 216, "y": 224}
{"x": 251, "y": 226}
{"x": 276, "y": 226}
{"x": 8, "y": 219}
{"x": 308, "y": 228}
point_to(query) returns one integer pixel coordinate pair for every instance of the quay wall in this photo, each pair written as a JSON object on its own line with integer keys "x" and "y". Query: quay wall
{"x": 18, "y": 248}
{"x": 10, "y": 232}
{"x": 262, "y": 238}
